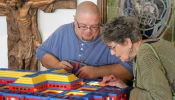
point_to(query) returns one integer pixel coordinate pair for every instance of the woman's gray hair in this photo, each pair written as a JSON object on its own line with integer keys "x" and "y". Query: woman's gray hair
{"x": 120, "y": 28}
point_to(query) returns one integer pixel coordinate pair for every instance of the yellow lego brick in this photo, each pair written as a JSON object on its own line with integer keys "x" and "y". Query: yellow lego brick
{"x": 40, "y": 78}
{"x": 52, "y": 91}
{"x": 24, "y": 80}
{"x": 62, "y": 78}
{"x": 85, "y": 88}
{"x": 31, "y": 80}
{"x": 60, "y": 71}
{"x": 13, "y": 74}
{"x": 76, "y": 93}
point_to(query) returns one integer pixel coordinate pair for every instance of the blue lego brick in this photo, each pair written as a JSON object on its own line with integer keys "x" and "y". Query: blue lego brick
{"x": 35, "y": 74}
{"x": 76, "y": 65}
{"x": 112, "y": 91}
{"x": 59, "y": 96}
{"x": 37, "y": 97}
{"x": 52, "y": 93}
{"x": 4, "y": 91}
{"x": 64, "y": 97}
{"x": 15, "y": 94}
{"x": 8, "y": 78}
{"x": 99, "y": 95}
{"x": 24, "y": 71}
{"x": 32, "y": 93}
{"x": 5, "y": 69}
{"x": 2, "y": 85}
{"x": 52, "y": 69}
{"x": 47, "y": 95}
{"x": 77, "y": 98}
{"x": 54, "y": 98}
{"x": 41, "y": 95}
{"x": 54, "y": 82}
{"x": 93, "y": 79}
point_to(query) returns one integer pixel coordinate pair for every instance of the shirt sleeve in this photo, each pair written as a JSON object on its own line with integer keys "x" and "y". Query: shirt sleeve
{"x": 51, "y": 45}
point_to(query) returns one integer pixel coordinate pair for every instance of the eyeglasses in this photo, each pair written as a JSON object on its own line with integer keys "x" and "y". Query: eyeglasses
{"x": 84, "y": 27}
{"x": 113, "y": 47}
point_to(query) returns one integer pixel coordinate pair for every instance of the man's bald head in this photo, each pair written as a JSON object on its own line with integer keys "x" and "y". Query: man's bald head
{"x": 87, "y": 7}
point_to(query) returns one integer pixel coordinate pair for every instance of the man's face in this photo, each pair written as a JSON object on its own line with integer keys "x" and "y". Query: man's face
{"x": 87, "y": 27}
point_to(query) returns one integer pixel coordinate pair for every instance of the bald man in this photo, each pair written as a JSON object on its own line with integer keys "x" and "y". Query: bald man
{"x": 79, "y": 41}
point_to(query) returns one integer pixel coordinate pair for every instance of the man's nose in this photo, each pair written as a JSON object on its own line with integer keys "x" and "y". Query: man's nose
{"x": 89, "y": 29}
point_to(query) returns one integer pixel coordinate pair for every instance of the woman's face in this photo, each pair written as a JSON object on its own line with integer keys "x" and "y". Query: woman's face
{"x": 123, "y": 51}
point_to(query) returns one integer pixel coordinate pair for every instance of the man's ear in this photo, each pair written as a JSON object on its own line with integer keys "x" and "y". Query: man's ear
{"x": 74, "y": 18}
{"x": 128, "y": 42}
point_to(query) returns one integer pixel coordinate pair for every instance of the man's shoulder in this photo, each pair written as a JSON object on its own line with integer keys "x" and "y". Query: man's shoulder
{"x": 67, "y": 26}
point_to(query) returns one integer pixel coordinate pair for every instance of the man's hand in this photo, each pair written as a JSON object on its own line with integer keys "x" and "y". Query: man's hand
{"x": 87, "y": 72}
{"x": 111, "y": 80}
{"x": 65, "y": 65}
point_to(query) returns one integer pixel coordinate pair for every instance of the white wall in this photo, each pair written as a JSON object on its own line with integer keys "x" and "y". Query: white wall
{"x": 3, "y": 43}
{"x": 47, "y": 23}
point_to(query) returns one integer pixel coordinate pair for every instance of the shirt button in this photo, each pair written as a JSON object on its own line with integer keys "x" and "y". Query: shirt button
{"x": 79, "y": 55}
{"x": 81, "y": 48}
{"x": 82, "y": 44}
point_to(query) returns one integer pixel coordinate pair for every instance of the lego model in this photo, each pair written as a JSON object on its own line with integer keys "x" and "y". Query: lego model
{"x": 53, "y": 84}
{"x": 40, "y": 81}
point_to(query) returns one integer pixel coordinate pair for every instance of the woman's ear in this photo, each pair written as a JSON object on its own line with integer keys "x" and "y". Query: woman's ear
{"x": 128, "y": 42}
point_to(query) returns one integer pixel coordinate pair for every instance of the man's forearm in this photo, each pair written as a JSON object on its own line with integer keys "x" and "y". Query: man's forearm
{"x": 50, "y": 61}
{"x": 115, "y": 69}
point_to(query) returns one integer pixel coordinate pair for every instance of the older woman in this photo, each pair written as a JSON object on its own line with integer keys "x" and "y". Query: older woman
{"x": 123, "y": 37}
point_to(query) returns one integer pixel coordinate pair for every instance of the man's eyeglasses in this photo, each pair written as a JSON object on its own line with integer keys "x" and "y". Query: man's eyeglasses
{"x": 84, "y": 27}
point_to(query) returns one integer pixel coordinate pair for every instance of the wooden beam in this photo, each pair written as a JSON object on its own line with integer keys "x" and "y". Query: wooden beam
{"x": 102, "y": 5}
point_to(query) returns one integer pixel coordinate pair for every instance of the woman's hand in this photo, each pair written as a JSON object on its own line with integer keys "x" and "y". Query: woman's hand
{"x": 107, "y": 79}
{"x": 111, "y": 80}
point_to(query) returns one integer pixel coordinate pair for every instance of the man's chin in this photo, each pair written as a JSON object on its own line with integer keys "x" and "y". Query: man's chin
{"x": 87, "y": 39}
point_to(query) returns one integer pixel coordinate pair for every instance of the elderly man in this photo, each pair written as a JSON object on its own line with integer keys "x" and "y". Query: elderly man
{"x": 80, "y": 41}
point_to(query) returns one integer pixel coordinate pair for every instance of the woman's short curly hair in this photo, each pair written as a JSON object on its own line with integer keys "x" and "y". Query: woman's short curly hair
{"x": 120, "y": 28}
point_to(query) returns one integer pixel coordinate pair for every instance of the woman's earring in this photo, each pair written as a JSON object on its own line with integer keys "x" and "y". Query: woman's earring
{"x": 130, "y": 50}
